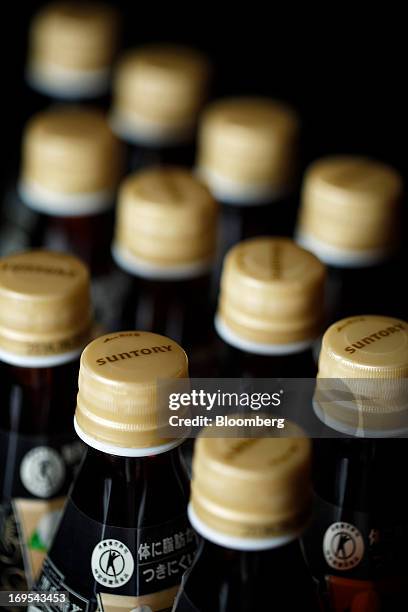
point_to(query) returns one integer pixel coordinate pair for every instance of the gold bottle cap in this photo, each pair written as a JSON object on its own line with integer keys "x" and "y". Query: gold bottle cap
{"x": 251, "y": 488}
{"x": 45, "y": 307}
{"x": 158, "y": 92}
{"x": 369, "y": 346}
{"x": 368, "y": 357}
{"x": 166, "y": 224}
{"x": 271, "y": 296}
{"x": 71, "y": 162}
{"x": 338, "y": 190}
{"x": 247, "y": 149}
{"x": 120, "y": 378}
{"x": 71, "y": 49}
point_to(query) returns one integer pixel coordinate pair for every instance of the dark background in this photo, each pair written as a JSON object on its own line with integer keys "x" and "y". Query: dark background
{"x": 343, "y": 69}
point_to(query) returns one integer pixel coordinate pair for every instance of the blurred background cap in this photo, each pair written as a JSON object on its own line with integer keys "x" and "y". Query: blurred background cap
{"x": 71, "y": 49}
{"x": 247, "y": 148}
{"x": 350, "y": 210}
{"x": 166, "y": 224}
{"x": 158, "y": 93}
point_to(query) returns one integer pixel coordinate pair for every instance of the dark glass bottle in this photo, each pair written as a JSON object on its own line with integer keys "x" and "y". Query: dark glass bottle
{"x": 248, "y": 559}
{"x": 70, "y": 171}
{"x": 39, "y": 452}
{"x": 227, "y": 580}
{"x": 71, "y": 50}
{"x": 178, "y": 308}
{"x": 357, "y": 540}
{"x": 164, "y": 242}
{"x": 71, "y": 166}
{"x": 351, "y": 219}
{"x": 158, "y": 93}
{"x": 270, "y": 310}
{"x": 128, "y": 505}
{"x": 247, "y": 153}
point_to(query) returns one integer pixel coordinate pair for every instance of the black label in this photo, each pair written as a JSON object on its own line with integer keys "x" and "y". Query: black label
{"x": 35, "y": 475}
{"x": 350, "y": 552}
{"x": 37, "y": 467}
{"x": 88, "y": 559}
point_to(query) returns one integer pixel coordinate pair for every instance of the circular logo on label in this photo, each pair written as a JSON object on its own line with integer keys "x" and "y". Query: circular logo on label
{"x": 343, "y": 546}
{"x": 42, "y": 471}
{"x": 112, "y": 563}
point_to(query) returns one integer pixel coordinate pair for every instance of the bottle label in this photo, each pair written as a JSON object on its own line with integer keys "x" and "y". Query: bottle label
{"x": 36, "y": 475}
{"x": 107, "y": 567}
{"x": 357, "y": 557}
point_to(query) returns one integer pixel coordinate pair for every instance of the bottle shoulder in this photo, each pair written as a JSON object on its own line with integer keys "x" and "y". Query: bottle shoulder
{"x": 227, "y": 580}
{"x": 131, "y": 491}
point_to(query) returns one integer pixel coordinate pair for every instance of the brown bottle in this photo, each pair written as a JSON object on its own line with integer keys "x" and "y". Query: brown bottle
{"x": 158, "y": 93}
{"x": 247, "y": 154}
{"x": 356, "y": 544}
{"x": 45, "y": 320}
{"x": 351, "y": 219}
{"x": 270, "y": 310}
{"x": 71, "y": 165}
{"x": 127, "y": 509}
{"x": 250, "y": 502}
{"x": 165, "y": 243}
{"x": 71, "y": 50}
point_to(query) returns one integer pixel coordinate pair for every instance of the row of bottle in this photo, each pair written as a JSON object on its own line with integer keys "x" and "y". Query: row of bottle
{"x": 247, "y": 157}
{"x": 124, "y": 531}
{"x": 164, "y": 241}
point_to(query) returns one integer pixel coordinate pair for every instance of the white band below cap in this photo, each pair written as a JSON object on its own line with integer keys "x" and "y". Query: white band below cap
{"x": 342, "y": 258}
{"x": 355, "y": 432}
{"x": 259, "y": 348}
{"x": 64, "y": 204}
{"x": 138, "y": 130}
{"x": 231, "y": 192}
{"x": 59, "y": 82}
{"x": 123, "y": 451}
{"x": 39, "y": 361}
{"x": 236, "y": 543}
{"x": 139, "y": 267}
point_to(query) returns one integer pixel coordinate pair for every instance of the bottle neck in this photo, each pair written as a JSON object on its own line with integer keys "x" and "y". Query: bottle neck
{"x": 129, "y": 469}
{"x": 245, "y": 364}
{"x": 228, "y": 580}
{"x": 120, "y": 490}
{"x": 360, "y": 473}
{"x": 38, "y": 400}
{"x": 87, "y": 236}
{"x": 177, "y": 308}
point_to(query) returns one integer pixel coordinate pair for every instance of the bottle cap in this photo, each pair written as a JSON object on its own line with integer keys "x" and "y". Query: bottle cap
{"x": 247, "y": 149}
{"x": 71, "y": 162}
{"x": 271, "y": 296}
{"x": 158, "y": 92}
{"x": 45, "y": 307}
{"x": 252, "y": 487}
{"x": 120, "y": 380}
{"x": 166, "y": 224}
{"x": 72, "y": 45}
{"x": 368, "y": 358}
{"x": 349, "y": 212}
